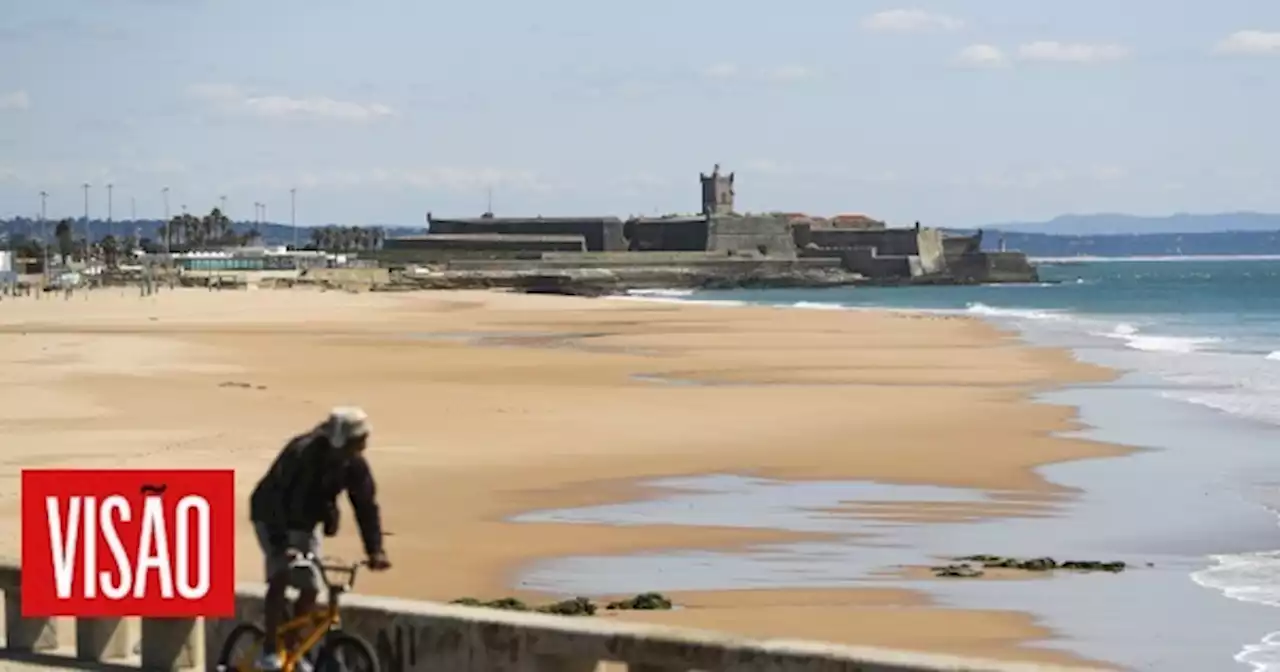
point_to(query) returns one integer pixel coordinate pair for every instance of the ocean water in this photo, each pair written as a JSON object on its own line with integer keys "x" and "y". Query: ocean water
{"x": 1192, "y": 336}
{"x": 1198, "y": 343}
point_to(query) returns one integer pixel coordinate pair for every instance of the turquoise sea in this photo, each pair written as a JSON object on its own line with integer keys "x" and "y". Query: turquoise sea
{"x": 1198, "y": 513}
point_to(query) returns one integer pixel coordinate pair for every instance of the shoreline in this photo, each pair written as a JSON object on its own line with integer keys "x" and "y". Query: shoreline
{"x": 490, "y": 482}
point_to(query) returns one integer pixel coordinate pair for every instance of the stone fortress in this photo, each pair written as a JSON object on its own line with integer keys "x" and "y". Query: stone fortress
{"x": 717, "y": 242}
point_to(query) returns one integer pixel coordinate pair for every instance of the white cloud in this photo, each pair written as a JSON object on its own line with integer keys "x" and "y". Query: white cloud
{"x": 1251, "y": 42}
{"x": 15, "y": 100}
{"x": 232, "y": 99}
{"x": 911, "y": 21}
{"x": 721, "y": 71}
{"x": 982, "y": 56}
{"x": 1062, "y": 52}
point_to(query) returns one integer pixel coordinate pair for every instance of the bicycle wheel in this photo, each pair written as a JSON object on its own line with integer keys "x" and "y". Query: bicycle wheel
{"x": 242, "y": 648}
{"x": 344, "y": 652}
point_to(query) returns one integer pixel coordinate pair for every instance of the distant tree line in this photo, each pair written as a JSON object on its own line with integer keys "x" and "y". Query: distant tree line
{"x": 334, "y": 238}
{"x": 183, "y": 232}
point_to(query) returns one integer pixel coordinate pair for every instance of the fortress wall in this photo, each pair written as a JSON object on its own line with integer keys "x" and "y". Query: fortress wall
{"x": 434, "y": 248}
{"x": 955, "y": 246}
{"x": 601, "y": 233}
{"x": 993, "y": 267}
{"x": 751, "y": 234}
{"x": 930, "y": 249}
{"x": 718, "y": 264}
{"x": 887, "y": 241}
{"x": 674, "y": 234}
{"x": 865, "y": 261}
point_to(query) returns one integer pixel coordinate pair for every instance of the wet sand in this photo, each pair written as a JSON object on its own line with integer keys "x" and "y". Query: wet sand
{"x": 556, "y": 408}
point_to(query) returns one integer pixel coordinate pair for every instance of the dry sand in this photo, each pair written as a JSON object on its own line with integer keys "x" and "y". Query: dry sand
{"x": 547, "y": 413}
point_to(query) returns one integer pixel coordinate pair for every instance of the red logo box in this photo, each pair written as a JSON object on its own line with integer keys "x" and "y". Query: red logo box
{"x": 114, "y": 543}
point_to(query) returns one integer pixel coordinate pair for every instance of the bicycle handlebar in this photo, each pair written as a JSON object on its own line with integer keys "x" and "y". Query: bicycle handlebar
{"x": 350, "y": 570}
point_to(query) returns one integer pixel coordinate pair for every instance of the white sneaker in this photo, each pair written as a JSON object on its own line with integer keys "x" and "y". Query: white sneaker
{"x": 269, "y": 662}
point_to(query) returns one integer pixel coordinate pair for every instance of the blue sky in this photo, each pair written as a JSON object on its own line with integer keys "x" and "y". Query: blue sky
{"x": 952, "y": 112}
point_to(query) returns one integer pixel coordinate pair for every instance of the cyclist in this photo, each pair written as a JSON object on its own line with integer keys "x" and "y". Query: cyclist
{"x": 299, "y": 494}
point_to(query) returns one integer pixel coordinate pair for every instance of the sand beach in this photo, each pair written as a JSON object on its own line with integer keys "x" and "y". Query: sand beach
{"x": 488, "y": 405}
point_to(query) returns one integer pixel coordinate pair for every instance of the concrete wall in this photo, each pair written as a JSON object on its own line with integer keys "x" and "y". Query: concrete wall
{"x": 993, "y": 267}
{"x": 890, "y": 242}
{"x": 430, "y": 637}
{"x": 955, "y": 246}
{"x": 754, "y": 234}
{"x": 601, "y": 233}
{"x": 865, "y": 261}
{"x": 897, "y": 252}
{"x": 487, "y": 241}
{"x": 438, "y": 247}
{"x": 929, "y": 249}
{"x": 678, "y": 234}
{"x": 709, "y": 264}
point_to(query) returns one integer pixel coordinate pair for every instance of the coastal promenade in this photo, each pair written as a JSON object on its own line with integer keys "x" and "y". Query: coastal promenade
{"x": 413, "y": 636}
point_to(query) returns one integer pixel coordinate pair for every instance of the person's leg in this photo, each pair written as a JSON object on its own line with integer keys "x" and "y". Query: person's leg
{"x": 305, "y": 579}
{"x": 273, "y": 609}
{"x": 309, "y": 585}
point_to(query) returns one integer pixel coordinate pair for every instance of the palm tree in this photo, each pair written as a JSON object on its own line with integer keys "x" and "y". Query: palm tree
{"x": 216, "y": 228}
{"x": 110, "y": 250}
{"x": 188, "y": 227}
{"x": 66, "y": 244}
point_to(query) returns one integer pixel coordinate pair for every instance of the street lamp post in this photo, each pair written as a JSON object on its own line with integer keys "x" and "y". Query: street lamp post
{"x": 293, "y": 214}
{"x": 87, "y": 232}
{"x": 44, "y": 231}
{"x": 165, "y": 193}
{"x": 110, "y": 221}
{"x": 223, "y": 201}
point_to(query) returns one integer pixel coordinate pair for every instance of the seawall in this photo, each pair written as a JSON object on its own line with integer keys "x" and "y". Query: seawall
{"x": 412, "y": 636}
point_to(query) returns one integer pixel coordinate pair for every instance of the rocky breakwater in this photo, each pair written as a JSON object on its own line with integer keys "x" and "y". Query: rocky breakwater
{"x": 604, "y": 281}
{"x": 975, "y": 566}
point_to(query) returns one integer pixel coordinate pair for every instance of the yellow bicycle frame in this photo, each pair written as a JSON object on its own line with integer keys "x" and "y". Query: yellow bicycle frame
{"x": 320, "y": 620}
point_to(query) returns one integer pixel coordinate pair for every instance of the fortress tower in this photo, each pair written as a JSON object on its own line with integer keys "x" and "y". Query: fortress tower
{"x": 717, "y": 193}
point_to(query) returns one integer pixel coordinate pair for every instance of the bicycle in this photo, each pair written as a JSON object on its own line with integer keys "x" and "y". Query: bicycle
{"x": 325, "y": 645}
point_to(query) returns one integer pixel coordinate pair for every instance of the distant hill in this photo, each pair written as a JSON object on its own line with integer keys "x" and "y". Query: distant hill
{"x": 1118, "y": 224}
{"x": 1228, "y": 243}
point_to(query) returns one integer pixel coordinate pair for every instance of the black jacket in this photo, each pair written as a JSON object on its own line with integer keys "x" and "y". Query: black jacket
{"x": 301, "y": 490}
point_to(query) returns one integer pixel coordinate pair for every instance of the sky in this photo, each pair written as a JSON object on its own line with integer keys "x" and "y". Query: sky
{"x": 952, "y": 113}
